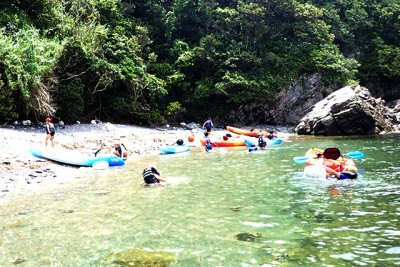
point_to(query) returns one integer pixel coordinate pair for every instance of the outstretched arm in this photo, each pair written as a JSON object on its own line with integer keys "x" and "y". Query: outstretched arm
{"x": 159, "y": 178}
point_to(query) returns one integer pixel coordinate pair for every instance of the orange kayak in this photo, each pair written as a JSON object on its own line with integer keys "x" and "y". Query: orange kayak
{"x": 224, "y": 143}
{"x": 253, "y": 133}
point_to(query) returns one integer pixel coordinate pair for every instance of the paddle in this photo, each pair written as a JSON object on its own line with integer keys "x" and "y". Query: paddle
{"x": 101, "y": 147}
{"x": 351, "y": 154}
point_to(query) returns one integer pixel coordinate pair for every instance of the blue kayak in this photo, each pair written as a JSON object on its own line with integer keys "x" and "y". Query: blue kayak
{"x": 174, "y": 149}
{"x": 69, "y": 157}
{"x": 270, "y": 142}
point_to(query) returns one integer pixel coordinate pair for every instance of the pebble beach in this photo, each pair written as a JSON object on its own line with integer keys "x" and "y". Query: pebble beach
{"x": 21, "y": 173}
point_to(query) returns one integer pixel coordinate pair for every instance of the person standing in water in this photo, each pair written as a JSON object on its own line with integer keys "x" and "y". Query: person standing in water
{"x": 208, "y": 143}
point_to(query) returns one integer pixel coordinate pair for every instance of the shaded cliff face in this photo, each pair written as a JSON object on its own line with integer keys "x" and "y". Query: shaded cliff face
{"x": 288, "y": 107}
{"x": 348, "y": 111}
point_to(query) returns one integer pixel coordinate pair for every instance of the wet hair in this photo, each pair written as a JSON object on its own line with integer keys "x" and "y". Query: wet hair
{"x": 179, "y": 142}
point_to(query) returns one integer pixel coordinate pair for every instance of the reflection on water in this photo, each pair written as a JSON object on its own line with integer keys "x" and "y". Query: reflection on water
{"x": 220, "y": 209}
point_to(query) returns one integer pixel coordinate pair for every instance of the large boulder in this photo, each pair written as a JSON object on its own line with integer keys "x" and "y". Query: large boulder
{"x": 348, "y": 111}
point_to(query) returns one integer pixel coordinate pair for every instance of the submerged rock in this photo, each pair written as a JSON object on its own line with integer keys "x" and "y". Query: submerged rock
{"x": 137, "y": 257}
{"x": 248, "y": 237}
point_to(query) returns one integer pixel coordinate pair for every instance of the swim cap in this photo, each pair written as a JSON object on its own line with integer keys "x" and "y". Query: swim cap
{"x": 352, "y": 169}
{"x": 48, "y": 120}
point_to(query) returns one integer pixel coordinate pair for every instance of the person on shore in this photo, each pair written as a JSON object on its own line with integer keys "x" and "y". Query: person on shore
{"x": 120, "y": 150}
{"x": 50, "y": 132}
{"x": 208, "y": 124}
{"x": 151, "y": 175}
{"x": 208, "y": 142}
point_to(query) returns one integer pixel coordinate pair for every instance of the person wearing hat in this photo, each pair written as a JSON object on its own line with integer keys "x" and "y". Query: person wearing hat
{"x": 119, "y": 150}
{"x": 151, "y": 175}
{"x": 50, "y": 132}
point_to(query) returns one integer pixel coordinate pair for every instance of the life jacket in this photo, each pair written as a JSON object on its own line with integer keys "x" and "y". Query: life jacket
{"x": 208, "y": 141}
{"x": 149, "y": 177}
{"x": 261, "y": 142}
{"x": 336, "y": 165}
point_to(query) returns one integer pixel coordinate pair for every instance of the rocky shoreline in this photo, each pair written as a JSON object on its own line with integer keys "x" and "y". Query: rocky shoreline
{"x": 20, "y": 172}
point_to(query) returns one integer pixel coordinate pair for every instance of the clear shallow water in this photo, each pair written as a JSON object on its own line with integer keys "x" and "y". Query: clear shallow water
{"x": 213, "y": 200}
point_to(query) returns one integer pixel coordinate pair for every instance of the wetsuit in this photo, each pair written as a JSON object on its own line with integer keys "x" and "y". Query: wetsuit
{"x": 119, "y": 150}
{"x": 50, "y": 129}
{"x": 208, "y": 125}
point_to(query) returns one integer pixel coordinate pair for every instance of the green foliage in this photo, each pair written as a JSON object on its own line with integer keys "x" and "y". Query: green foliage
{"x": 333, "y": 65}
{"x": 175, "y": 111}
{"x": 149, "y": 60}
{"x": 28, "y": 59}
{"x": 69, "y": 99}
{"x": 7, "y": 106}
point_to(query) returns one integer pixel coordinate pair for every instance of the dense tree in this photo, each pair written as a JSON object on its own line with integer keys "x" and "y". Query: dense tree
{"x": 150, "y": 60}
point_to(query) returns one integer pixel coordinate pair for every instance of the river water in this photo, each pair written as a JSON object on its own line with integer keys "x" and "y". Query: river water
{"x": 226, "y": 208}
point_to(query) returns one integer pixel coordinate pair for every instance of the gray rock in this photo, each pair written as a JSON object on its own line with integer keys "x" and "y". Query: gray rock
{"x": 26, "y": 123}
{"x": 348, "y": 111}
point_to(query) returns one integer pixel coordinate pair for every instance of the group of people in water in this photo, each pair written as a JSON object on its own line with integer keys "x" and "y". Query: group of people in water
{"x": 151, "y": 174}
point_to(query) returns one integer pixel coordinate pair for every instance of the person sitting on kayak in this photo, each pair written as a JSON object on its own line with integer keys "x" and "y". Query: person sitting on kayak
{"x": 208, "y": 142}
{"x": 271, "y": 135}
{"x": 261, "y": 141}
{"x": 151, "y": 175}
{"x": 120, "y": 150}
